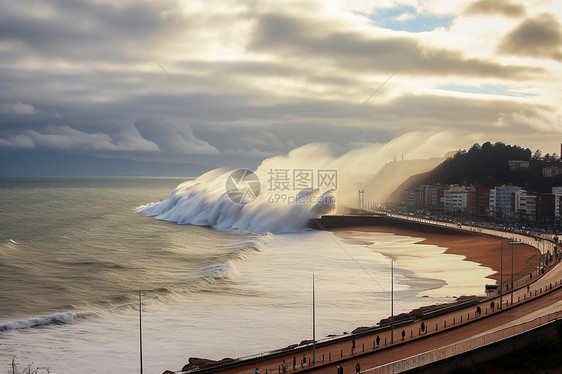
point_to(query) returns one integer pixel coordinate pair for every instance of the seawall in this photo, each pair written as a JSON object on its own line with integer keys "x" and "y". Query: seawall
{"x": 343, "y": 221}
{"x": 551, "y": 332}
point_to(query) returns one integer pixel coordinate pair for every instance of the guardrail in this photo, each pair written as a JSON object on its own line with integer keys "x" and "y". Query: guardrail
{"x": 414, "y": 361}
{"x": 463, "y": 346}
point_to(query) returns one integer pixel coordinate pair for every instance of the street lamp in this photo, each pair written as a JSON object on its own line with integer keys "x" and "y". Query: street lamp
{"x": 540, "y": 255}
{"x": 512, "y": 242}
{"x": 501, "y": 273}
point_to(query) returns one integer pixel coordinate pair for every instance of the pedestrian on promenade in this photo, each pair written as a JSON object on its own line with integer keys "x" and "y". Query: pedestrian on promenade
{"x": 256, "y": 371}
{"x": 358, "y": 368}
{"x": 303, "y": 362}
{"x": 284, "y": 366}
{"x": 403, "y": 334}
{"x": 422, "y": 327}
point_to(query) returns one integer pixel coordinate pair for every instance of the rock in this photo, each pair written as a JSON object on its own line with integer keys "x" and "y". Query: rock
{"x": 361, "y": 329}
{"x": 197, "y": 362}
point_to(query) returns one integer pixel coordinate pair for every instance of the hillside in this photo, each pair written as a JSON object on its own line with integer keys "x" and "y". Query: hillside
{"x": 487, "y": 166}
{"x": 394, "y": 173}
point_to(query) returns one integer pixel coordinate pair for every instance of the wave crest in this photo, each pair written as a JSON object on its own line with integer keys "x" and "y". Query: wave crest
{"x": 55, "y": 319}
{"x": 205, "y": 202}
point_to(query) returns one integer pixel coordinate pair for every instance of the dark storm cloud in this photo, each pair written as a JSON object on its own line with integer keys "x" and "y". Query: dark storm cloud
{"x": 535, "y": 37}
{"x": 489, "y": 7}
{"x": 84, "y": 30}
{"x": 79, "y": 75}
{"x": 297, "y": 38}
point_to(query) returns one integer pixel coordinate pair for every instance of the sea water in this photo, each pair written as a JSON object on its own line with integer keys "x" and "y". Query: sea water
{"x": 75, "y": 252}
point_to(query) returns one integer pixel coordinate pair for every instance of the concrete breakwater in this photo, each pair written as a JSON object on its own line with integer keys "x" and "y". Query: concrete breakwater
{"x": 343, "y": 221}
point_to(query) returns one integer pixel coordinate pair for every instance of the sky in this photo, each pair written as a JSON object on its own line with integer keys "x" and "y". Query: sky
{"x": 230, "y": 83}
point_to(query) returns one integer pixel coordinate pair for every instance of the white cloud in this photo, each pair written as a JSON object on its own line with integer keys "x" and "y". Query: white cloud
{"x": 174, "y": 136}
{"x": 279, "y": 68}
{"x": 405, "y": 16}
{"x": 535, "y": 118}
{"x": 182, "y": 140}
{"x": 65, "y": 137}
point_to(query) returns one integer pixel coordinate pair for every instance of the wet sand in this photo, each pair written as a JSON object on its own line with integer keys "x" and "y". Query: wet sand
{"x": 482, "y": 249}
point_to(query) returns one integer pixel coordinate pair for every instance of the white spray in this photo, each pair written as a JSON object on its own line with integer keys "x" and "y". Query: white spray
{"x": 301, "y": 185}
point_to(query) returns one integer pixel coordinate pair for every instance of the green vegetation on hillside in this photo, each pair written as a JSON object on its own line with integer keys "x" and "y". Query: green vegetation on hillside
{"x": 487, "y": 166}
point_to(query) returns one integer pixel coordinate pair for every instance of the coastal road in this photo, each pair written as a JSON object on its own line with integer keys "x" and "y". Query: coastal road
{"x": 440, "y": 331}
{"x": 493, "y": 322}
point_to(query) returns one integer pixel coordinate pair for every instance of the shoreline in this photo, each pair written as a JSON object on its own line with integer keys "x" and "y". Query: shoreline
{"x": 479, "y": 248}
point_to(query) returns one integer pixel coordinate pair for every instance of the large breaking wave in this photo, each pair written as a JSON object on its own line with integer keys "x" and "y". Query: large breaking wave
{"x": 205, "y": 202}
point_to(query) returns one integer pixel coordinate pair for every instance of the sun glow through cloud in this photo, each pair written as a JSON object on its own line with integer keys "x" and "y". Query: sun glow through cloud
{"x": 234, "y": 82}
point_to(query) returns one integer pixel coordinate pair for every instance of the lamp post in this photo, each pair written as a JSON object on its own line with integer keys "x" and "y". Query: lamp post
{"x": 501, "y": 273}
{"x": 140, "y": 331}
{"x": 539, "y": 249}
{"x": 511, "y": 288}
{"x": 512, "y": 242}
{"x": 543, "y": 259}
{"x": 313, "y": 322}
{"x": 392, "y": 304}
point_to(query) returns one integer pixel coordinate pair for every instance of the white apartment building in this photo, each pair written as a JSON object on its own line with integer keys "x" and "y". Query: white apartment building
{"x": 455, "y": 199}
{"x": 520, "y": 202}
{"x": 557, "y": 192}
{"x": 503, "y": 201}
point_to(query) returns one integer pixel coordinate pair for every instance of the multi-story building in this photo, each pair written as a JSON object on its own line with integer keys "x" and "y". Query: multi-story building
{"x": 502, "y": 201}
{"x": 551, "y": 171}
{"x": 531, "y": 209}
{"x": 557, "y": 192}
{"x": 410, "y": 198}
{"x": 545, "y": 207}
{"x": 479, "y": 204}
{"x": 520, "y": 203}
{"x": 455, "y": 199}
{"x": 433, "y": 197}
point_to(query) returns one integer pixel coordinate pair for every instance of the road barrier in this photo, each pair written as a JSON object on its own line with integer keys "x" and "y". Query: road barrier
{"x": 463, "y": 346}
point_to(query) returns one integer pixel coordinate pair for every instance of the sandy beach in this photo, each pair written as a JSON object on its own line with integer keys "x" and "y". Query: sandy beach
{"x": 482, "y": 249}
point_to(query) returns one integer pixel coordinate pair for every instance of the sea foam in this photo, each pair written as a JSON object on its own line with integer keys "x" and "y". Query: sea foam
{"x": 55, "y": 319}
{"x": 205, "y": 202}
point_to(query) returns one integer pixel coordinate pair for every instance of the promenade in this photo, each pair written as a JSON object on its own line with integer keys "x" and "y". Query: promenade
{"x": 376, "y": 350}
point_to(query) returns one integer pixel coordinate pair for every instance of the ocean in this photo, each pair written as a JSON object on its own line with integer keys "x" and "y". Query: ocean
{"x": 76, "y": 251}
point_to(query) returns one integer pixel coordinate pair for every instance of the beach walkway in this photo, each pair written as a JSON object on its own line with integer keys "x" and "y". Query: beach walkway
{"x": 529, "y": 297}
{"x": 409, "y": 339}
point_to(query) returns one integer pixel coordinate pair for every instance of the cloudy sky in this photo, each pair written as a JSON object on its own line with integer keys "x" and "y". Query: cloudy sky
{"x": 229, "y": 83}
